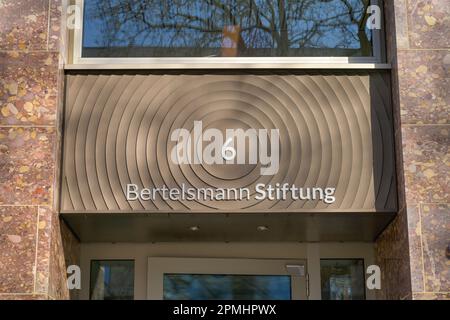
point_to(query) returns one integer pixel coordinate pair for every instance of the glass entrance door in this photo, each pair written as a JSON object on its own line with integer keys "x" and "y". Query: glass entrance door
{"x": 226, "y": 279}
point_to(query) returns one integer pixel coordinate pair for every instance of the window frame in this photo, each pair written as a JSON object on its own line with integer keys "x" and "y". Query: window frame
{"x": 377, "y": 61}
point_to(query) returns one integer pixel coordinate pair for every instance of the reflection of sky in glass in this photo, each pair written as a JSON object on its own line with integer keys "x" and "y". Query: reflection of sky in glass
{"x": 200, "y": 24}
{"x": 226, "y": 287}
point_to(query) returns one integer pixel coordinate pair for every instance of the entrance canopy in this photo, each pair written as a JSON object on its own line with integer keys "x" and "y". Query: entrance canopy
{"x": 312, "y": 154}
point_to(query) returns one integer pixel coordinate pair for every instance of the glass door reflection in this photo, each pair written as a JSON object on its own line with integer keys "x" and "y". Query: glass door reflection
{"x": 226, "y": 287}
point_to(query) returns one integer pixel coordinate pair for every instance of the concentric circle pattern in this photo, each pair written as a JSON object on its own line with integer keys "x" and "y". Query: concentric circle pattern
{"x": 335, "y": 132}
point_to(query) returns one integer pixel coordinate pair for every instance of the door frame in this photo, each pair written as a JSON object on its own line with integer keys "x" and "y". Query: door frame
{"x": 158, "y": 266}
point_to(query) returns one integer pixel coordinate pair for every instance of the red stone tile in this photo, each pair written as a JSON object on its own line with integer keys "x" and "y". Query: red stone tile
{"x": 57, "y": 248}
{"x": 17, "y": 249}
{"x": 401, "y": 197}
{"x": 55, "y": 25}
{"x": 23, "y": 24}
{"x": 436, "y": 238}
{"x": 393, "y": 242}
{"x": 391, "y": 251}
{"x": 28, "y": 88}
{"x": 429, "y": 23}
{"x": 401, "y": 24}
{"x": 26, "y": 166}
{"x": 397, "y": 278}
{"x": 58, "y": 268}
{"x": 431, "y": 296}
{"x": 43, "y": 250}
{"x": 426, "y": 164}
{"x": 23, "y": 297}
{"x": 424, "y": 80}
{"x": 415, "y": 249}
{"x": 71, "y": 247}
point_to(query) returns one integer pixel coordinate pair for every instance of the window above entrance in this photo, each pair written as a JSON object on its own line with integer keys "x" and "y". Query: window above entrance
{"x": 231, "y": 31}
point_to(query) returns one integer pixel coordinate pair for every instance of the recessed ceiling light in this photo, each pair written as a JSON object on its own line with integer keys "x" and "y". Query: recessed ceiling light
{"x": 262, "y": 228}
{"x": 194, "y": 228}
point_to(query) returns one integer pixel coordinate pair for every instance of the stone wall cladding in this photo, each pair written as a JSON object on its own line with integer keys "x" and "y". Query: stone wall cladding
{"x": 419, "y": 50}
{"x": 32, "y": 249}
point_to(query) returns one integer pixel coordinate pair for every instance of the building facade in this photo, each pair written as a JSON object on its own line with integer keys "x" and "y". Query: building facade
{"x": 86, "y": 137}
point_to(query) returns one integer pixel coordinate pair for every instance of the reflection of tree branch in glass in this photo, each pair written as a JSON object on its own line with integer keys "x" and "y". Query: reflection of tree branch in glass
{"x": 366, "y": 46}
{"x": 229, "y": 28}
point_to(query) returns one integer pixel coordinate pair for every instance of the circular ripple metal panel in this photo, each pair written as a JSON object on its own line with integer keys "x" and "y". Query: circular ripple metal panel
{"x": 335, "y": 131}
